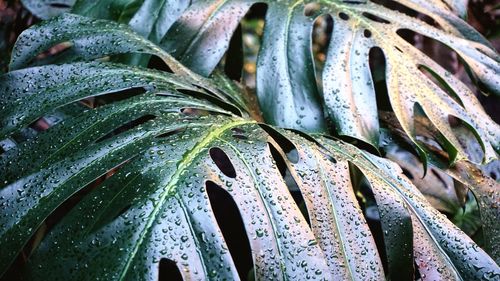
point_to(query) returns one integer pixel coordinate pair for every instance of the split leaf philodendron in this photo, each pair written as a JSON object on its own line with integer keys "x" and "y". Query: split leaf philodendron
{"x": 198, "y": 35}
{"x": 140, "y": 166}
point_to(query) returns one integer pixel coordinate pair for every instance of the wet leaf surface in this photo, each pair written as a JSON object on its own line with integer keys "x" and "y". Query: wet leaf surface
{"x": 155, "y": 144}
{"x": 198, "y": 39}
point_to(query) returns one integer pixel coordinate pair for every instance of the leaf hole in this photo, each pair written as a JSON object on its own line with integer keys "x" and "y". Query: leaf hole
{"x": 240, "y": 137}
{"x": 377, "y": 63}
{"x": 222, "y": 161}
{"x": 190, "y": 111}
{"x": 252, "y": 27}
{"x": 290, "y": 182}
{"x": 416, "y": 271}
{"x": 469, "y": 139}
{"x": 285, "y": 144}
{"x": 14, "y": 271}
{"x": 427, "y": 134}
{"x": 468, "y": 219}
{"x": 52, "y": 54}
{"x": 233, "y": 59}
{"x": 41, "y": 124}
{"x": 65, "y": 112}
{"x": 375, "y": 18}
{"x": 321, "y": 37}
{"x": 440, "y": 179}
{"x": 237, "y": 130}
{"x": 60, "y": 5}
{"x": 239, "y": 133}
{"x": 371, "y": 213}
{"x": 439, "y": 52}
{"x": 210, "y": 97}
{"x": 168, "y": 271}
{"x": 158, "y": 64}
{"x": 311, "y": 9}
{"x": 111, "y": 97}
{"x": 407, "y": 173}
{"x": 169, "y": 133}
{"x": 231, "y": 225}
{"x": 367, "y": 33}
{"x": 360, "y": 144}
{"x": 343, "y": 16}
{"x": 127, "y": 126}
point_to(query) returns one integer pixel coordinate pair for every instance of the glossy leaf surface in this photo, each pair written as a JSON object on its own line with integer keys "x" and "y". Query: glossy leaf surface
{"x": 486, "y": 190}
{"x": 141, "y": 163}
{"x": 348, "y": 95}
{"x": 285, "y": 69}
{"x": 45, "y": 9}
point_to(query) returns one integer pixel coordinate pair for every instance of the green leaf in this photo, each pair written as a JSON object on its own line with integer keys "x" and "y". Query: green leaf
{"x": 485, "y": 189}
{"x": 99, "y": 79}
{"x": 151, "y": 18}
{"x": 117, "y": 10}
{"x": 88, "y": 39}
{"x": 140, "y": 165}
{"x": 458, "y": 7}
{"x": 348, "y": 92}
{"x": 454, "y": 258}
{"x": 201, "y": 35}
{"x": 45, "y": 9}
{"x": 324, "y": 182}
{"x": 286, "y": 84}
{"x": 438, "y": 187}
{"x": 85, "y": 39}
{"x": 199, "y": 40}
{"x": 155, "y": 17}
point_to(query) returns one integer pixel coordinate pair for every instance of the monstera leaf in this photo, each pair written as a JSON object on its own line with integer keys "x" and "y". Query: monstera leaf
{"x": 397, "y": 147}
{"x": 45, "y": 9}
{"x": 144, "y": 164}
{"x": 285, "y": 68}
{"x": 149, "y": 18}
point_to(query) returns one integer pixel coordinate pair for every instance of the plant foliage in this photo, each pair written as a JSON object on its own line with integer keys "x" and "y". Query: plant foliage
{"x": 143, "y": 164}
{"x": 285, "y": 68}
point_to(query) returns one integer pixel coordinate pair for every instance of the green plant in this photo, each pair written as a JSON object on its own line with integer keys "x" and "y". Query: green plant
{"x": 285, "y": 72}
{"x": 143, "y": 163}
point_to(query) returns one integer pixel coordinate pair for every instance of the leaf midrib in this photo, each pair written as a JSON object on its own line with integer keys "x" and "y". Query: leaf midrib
{"x": 183, "y": 165}
{"x": 337, "y": 226}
